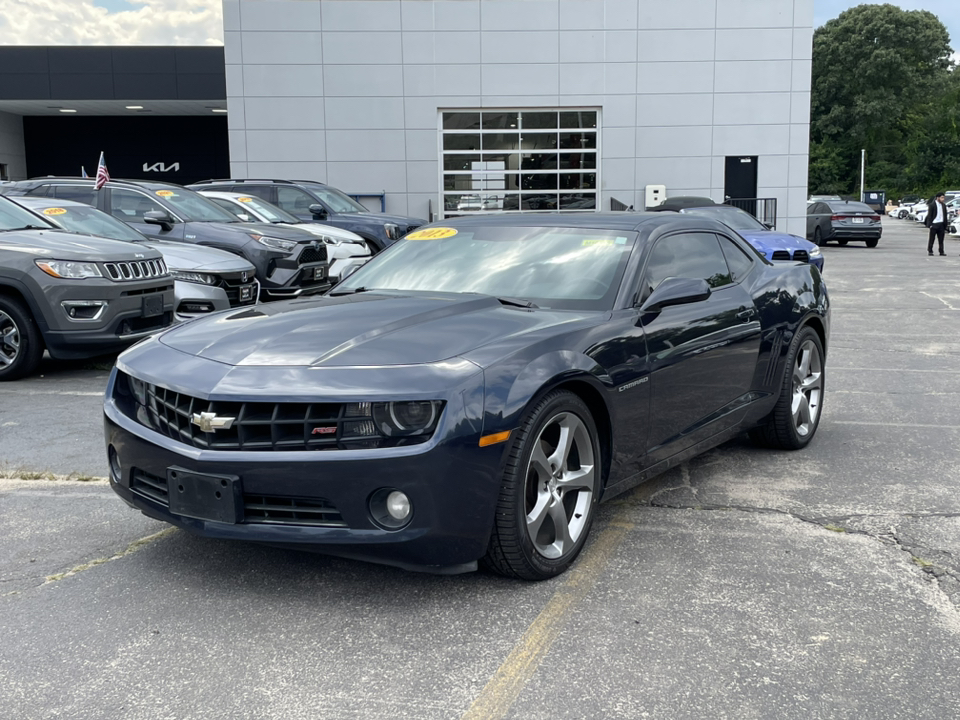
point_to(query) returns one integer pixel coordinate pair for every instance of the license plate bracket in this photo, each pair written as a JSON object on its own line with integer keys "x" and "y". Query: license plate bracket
{"x": 152, "y": 305}
{"x": 203, "y": 496}
{"x": 319, "y": 273}
{"x": 246, "y": 292}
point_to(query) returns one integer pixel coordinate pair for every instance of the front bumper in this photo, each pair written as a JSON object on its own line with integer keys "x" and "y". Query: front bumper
{"x": 452, "y": 483}
{"x": 132, "y": 312}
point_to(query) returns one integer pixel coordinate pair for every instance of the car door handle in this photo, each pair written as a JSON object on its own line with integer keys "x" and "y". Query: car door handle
{"x": 745, "y": 314}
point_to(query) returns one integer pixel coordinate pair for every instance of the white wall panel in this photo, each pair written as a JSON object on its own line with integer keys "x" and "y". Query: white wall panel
{"x": 675, "y": 77}
{"x": 286, "y": 145}
{"x": 368, "y": 177}
{"x": 279, "y": 81}
{"x": 283, "y": 113}
{"x": 291, "y": 15}
{"x": 753, "y": 14}
{"x": 684, "y": 15}
{"x": 365, "y": 15}
{"x": 657, "y": 142}
{"x": 281, "y": 48}
{"x": 751, "y": 139}
{"x": 360, "y": 145}
{"x": 518, "y": 48}
{"x": 373, "y": 113}
{"x": 513, "y": 14}
{"x": 752, "y": 108}
{"x": 674, "y": 110}
{"x": 767, "y": 44}
{"x": 363, "y": 80}
{"x": 675, "y": 45}
{"x": 351, "y": 48}
{"x": 520, "y": 79}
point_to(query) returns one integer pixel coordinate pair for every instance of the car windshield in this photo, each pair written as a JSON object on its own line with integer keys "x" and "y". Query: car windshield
{"x": 732, "y": 217}
{"x": 14, "y": 217}
{"x": 270, "y": 213}
{"x": 560, "y": 268}
{"x": 335, "y": 200}
{"x": 193, "y": 207}
{"x": 89, "y": 221}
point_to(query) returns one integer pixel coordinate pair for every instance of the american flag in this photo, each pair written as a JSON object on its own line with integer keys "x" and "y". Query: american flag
{"x": 102, "y": 175}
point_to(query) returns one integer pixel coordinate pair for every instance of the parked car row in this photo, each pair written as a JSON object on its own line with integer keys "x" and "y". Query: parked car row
{"x": 219, "y": 252}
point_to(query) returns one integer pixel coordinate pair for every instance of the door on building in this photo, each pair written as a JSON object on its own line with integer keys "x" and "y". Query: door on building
{"x": 740, "y": 180}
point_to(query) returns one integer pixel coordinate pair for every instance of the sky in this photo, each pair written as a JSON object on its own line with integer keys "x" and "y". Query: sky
{"x": 198, "y": 22}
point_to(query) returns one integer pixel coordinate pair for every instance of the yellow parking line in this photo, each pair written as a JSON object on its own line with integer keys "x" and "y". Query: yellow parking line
{"x": 495, "y": 700}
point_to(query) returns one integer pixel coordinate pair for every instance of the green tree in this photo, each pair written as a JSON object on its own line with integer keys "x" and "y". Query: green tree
{"x": 877, "y": 72}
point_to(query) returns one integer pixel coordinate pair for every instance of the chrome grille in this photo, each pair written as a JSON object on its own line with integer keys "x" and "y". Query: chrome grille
{"x": 136, "y": 270}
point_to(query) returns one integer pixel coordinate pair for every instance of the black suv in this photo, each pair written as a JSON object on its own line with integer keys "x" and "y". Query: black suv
{"x": 76, "y": 295}
{"x": 313, "y": 201}
{"x": 289, "y": 262}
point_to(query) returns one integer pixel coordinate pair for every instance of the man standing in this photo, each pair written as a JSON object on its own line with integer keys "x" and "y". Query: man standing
{"x": 937, "y": 221}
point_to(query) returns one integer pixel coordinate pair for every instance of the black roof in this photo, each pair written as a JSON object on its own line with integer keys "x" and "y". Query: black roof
{"x": 683, "y": 201}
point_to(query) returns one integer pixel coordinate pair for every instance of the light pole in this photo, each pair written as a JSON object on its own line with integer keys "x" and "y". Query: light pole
{"x": 863, "y": 167}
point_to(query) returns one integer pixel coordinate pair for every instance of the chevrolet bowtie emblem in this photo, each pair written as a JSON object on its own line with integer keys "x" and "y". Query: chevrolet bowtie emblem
{"x": 209, "y": 422}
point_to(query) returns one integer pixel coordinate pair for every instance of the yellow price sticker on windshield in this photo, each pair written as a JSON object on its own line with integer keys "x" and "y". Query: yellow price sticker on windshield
{"x": 165, "y": 193}
{"x": 435, "y": 233}
{"x": 245, "y": 199}
{"x": 55, "y": 211}
{"x": 591, "y": 242}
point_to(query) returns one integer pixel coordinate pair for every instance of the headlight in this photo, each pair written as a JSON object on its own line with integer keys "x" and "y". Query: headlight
{"x": 813, "y": 252}
{"x": 69, "y": 269}
{"x": 275, "y": 243}
{"x": 193, "y": 277}
{"x": 392, "y": 230}
{"x": 399, "y": 419}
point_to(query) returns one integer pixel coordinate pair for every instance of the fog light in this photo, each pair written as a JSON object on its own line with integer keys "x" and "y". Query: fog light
{"x": 390, "y": 509}
{"x": 398, "y": 505}
{"x": 116, "y": 472}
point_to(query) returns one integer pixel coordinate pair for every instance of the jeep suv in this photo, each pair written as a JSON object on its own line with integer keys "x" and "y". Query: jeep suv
{"x": 290, "y": 263}
{"x": 76, "y": 296}
{"x": 313, "y": 201}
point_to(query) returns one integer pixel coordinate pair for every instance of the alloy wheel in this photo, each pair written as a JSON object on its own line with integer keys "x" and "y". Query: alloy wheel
{"x": 9, "y": 340}
{"x": 807, "y": 388}
{"x": 561, "y": 480}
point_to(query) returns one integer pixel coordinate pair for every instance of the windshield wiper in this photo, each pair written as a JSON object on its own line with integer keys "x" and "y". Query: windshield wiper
{"x": 348, "y": 291}
{"x": 29, "y": 227}
{"x": 516, "y": 302}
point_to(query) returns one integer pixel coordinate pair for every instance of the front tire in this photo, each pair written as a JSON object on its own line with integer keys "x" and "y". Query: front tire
{"x": 818, "y": 237}
{"x": 21, "y": 345}
{"x": 796, "y": 416}
{"x": 549, "y": 491}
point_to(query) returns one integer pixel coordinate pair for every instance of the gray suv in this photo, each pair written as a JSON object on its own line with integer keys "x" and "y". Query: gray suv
{"x": 75, "y": 296}
{"x": 290, "y": 263}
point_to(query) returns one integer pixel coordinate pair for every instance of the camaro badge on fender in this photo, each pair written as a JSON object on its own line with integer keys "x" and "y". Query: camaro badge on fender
{"x": 209, "y": 422}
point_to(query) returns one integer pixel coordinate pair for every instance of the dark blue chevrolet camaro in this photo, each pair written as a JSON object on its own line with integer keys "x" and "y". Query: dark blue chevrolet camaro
{"x": 473, "y": 392}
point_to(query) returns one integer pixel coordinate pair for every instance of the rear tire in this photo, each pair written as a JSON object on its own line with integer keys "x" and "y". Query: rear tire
{"x": 549, "y": 491}
{"x": 796, "y": 416}
{"x": 21, "y": 345}
{"x": 841, "y": 243}
{"x": 818, "y": 237}
{"x": 873, "y": 242}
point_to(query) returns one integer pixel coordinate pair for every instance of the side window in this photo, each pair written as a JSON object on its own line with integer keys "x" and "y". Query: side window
{"x": 294, "y": 200}
{"x": 130, "y": 206}
{"x": 260, "y": 191}
{"x": 230, "y": 208}
{"x": 41, "y": 191}
{"x": 737, "y": 260}
{"x": 78, "y": 193}
{"x": 689, "y": 255}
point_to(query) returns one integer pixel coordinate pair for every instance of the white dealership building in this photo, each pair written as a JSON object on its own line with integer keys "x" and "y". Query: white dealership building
{"x": 456, "y": 106}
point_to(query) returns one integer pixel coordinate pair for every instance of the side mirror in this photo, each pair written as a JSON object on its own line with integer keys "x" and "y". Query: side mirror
{"x": 158, "y": 217}
{"x": 676, "y": 291}
{"x": 768, "y": 226}
{"x": 243, "y": 216}
{"x": 318, "y": 211}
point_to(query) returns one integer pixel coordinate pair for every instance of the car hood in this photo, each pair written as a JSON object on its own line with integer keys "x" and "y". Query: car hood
{"x": 185, "y": 256}
{"x": 268, "y": 229}
{"x": 770, "y": 240}
{"x": 380, "y": 219}
{"x": 364, "y": 329}
{"x": 64, "y": 245}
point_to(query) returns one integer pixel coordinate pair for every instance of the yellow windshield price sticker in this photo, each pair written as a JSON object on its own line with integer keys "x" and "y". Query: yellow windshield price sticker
{"x": 244, "y": 199}
{"x": 435, "y": 233}
{"x": 165, "y": 193}
{"x": 55, "y": 211}
{"x": 593, "y": 242}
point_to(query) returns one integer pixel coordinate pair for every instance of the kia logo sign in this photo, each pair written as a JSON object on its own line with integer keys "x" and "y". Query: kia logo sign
{"x": 161, "y": 167}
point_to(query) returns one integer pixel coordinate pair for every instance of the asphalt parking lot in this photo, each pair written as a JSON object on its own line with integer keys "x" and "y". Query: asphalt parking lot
{"x": 744, "y": 584}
